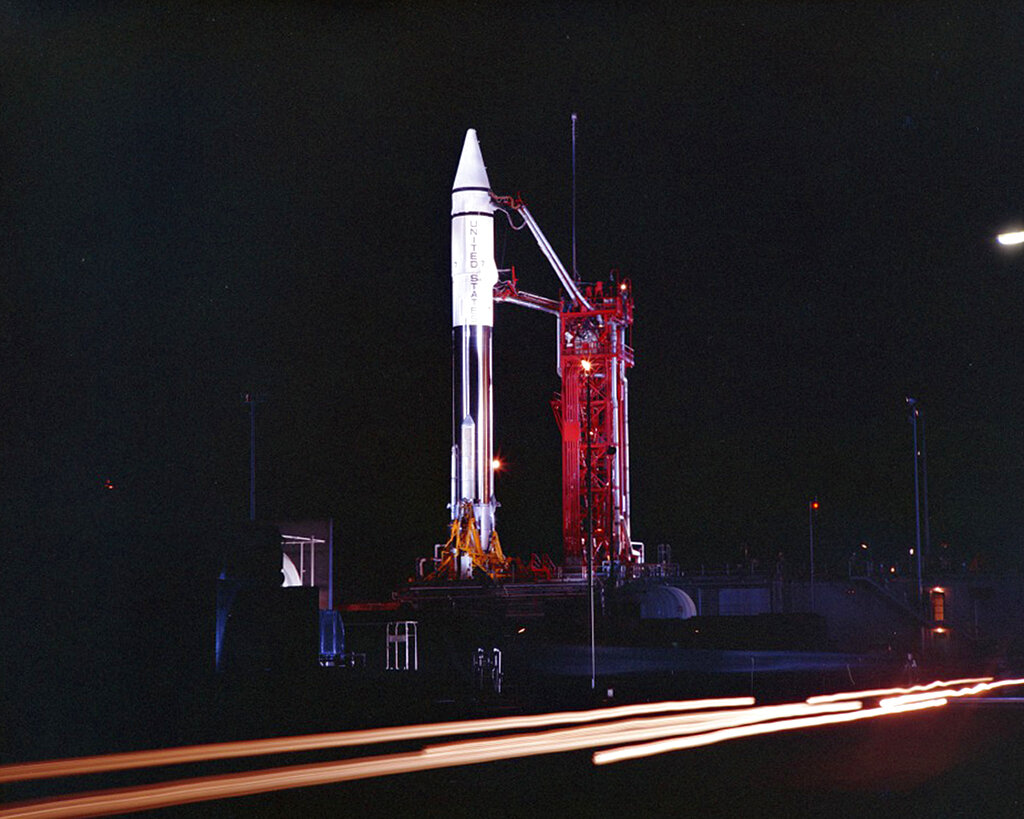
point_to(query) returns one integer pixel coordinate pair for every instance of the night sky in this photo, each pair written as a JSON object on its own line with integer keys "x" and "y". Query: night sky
{"x": 207, "y": 199}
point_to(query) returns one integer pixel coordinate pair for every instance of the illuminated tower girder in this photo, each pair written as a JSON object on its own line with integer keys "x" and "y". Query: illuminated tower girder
{"x": 593, "y": 410}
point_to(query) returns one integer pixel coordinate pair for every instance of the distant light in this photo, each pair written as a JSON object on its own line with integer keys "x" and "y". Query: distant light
{"x": 863, "y": 545}
{"x": 911, "y": 550}
{"x": 521, "y": 630}
{"x": 938, "y": 590}
{"x": 1015, "y": 237}
{"x": 815, "y": 504}
{"x": 496, "y": 463}
{"x": 109, "y": 484}
{"x": 586, "y": 365}
{"x": 892, "y": 570}
{"x": 622, "y": 287}
{"x": 938, "y": 630}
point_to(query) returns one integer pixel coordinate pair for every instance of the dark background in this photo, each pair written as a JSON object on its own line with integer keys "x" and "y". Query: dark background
{"x": 203, "y": 199}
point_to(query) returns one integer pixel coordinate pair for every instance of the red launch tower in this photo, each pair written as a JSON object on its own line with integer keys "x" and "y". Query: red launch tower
{"x": 592, "y": 410}
{"x": 593, "y": 417}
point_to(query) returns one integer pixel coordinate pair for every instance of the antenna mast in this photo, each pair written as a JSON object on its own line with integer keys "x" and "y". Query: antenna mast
{"x": 575, "y": 271}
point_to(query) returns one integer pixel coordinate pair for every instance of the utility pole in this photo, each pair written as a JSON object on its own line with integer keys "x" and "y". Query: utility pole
{"x": 586, "y": 365}
{"x": 926, "y": 543}
{"x": 252, "y": 399}
{"x": 812, "y": 507}
{"x": 915, "y": 412}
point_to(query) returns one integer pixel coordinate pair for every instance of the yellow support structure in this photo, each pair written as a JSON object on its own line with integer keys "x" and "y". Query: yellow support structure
{"x": 464, "y": 539}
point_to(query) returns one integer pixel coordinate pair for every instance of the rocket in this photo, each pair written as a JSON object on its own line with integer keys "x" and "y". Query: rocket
{"x": 474, "y": 275}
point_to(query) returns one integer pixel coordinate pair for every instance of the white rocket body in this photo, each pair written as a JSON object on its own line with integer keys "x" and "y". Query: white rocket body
{"x": 474, "y": 275}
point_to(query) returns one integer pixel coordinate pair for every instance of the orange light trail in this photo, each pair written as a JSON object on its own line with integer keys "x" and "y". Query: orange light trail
{"x": 647, "y": 729}
{"x": 277, "y": 745}
{"x": 466, "y": 752}
{"x": 712, "y": 737}
{"x": 881, "y": 692}
{"x": 200, "y": 789}
{"x": 947, "y": 693}
{"x": 593, "y": 736}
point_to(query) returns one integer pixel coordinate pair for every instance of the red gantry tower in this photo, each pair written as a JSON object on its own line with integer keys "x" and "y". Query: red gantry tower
{"x": 592, "y": 410}
{"x": 593, "y": 417}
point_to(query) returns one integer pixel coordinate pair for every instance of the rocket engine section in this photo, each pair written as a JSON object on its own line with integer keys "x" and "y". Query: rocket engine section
{"x": 474, "y": 275}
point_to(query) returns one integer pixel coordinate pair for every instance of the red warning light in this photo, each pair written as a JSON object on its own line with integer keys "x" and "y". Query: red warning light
{"x": 815, "y": 504}
{"x": 108, "y": 484}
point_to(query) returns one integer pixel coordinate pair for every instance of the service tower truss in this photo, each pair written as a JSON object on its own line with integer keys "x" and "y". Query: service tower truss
{"x": 592, "y": 411}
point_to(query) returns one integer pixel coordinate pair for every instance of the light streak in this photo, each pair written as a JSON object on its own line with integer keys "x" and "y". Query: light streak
{"x": 881, "y": 692}
{"x": 180, "y": 792}
{"x": 276, "y": 745}
{"x": 466, "y": 752}
{"x": 947, "y": 693}
{"x": 593, "y": 736}
{"x": 712, "y": 737}
{"x": 648, "y": 729}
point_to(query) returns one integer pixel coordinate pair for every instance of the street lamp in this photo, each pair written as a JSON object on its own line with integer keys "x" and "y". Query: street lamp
{"x": 1014, "y": 237}
{"x": 586, "y": 366}
{"x": 812, "y": 507}
{"x": 252, "y": 399}
{"x": 915, "y": 413}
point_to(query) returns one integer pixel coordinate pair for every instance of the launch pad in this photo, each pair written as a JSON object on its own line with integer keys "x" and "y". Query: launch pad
{"x": 593, "y": 356}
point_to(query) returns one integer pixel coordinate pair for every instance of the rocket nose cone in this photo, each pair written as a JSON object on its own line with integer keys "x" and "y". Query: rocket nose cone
{"x": 471, "y": 172}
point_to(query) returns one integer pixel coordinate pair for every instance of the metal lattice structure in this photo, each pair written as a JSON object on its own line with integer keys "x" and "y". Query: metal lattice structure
{"x": 593, "y": 417}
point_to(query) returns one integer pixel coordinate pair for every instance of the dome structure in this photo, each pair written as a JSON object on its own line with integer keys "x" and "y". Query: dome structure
{"x": 664, "y": 603}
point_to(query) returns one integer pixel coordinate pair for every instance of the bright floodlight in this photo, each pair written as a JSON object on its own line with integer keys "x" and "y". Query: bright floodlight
{"x": 1013, "y": 238}
{"x": 585, "y": 364}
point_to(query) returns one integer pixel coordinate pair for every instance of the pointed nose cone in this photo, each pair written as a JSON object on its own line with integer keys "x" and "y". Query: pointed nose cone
{"x": 471, "y": 172}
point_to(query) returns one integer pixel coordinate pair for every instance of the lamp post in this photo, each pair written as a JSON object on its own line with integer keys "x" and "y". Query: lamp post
{"x": 252, "y": 399}
{"x": 812, "y": 507}
{"x": 914, "y": 414}
{"x": 926, "y": 542}
{"x": 612, "y": 524}
{"x": 586, "y": 366}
